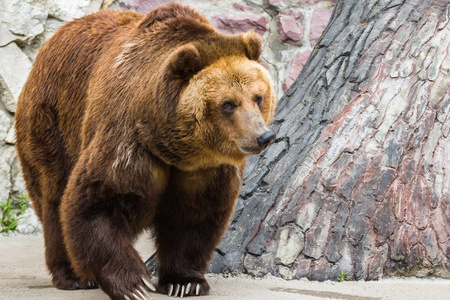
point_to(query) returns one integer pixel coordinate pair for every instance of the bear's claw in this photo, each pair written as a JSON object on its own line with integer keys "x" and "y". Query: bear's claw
{"x": 148, "y": 284}
{"x": 141, "y": 293}
{"x": 188, "y": 288}
{"x": 185, "y": 289}
{"x": 197, "y": 290}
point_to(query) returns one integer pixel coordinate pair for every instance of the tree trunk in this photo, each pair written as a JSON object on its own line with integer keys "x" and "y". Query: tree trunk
{"x": 358, "y": 179}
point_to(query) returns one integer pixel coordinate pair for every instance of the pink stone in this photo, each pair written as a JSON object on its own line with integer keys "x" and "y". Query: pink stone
{"x": 317, "y": 1}
{"x": 142, "y": 6}
{"x": 236, "y": 24}
{"x": 275, "y": 2}
{"x": 298, "y": 62}
{"x": 238, "y": 6}
{"x": 241, "y": 7}
{"x": 320, "y": 18}
{"x": 309, "y": 1}
{"x": 298, "y": 15}
{"x": 289, "y": 26}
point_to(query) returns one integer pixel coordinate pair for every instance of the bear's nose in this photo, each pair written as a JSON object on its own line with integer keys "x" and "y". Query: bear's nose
{"x": 265, "y": 139}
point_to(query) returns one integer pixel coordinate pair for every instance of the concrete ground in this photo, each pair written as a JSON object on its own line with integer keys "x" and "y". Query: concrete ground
{"x": 23, "y": 275}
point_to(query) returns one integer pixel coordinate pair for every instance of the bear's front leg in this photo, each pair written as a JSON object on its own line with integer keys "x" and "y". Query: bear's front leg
{"x": 189, "y": 223}
{"x": 100, "y": 225}
{"x": 99, "y": 240}
{"x": 183, "y": 252}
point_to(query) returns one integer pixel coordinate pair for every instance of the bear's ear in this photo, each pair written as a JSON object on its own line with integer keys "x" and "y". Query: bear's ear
{"x": 253, "y": 45}
{"x": 185, "y": 62}
{"x": 160, "y": 14}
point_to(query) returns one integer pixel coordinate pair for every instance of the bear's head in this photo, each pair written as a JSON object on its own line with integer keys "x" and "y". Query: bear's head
{"x": 224, "y": 107}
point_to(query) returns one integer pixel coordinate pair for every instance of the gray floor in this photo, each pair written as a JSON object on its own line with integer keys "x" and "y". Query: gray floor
{"x": 23, "y": 276}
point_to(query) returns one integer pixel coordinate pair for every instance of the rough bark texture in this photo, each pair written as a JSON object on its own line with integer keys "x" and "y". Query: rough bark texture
{"x": 358, "y": 179}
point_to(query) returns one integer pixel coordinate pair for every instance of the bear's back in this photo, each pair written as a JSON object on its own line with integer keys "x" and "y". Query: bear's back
{"x": 55, "y": 92}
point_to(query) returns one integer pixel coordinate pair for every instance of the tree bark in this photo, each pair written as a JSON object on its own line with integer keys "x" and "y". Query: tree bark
{"x": 358, "y": 179}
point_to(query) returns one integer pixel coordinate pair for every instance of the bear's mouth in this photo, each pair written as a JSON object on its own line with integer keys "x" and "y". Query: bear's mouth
{"x": 250, "y": 150}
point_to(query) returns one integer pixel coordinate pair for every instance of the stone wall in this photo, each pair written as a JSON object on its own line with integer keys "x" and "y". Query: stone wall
{"x": 290, "y": 29}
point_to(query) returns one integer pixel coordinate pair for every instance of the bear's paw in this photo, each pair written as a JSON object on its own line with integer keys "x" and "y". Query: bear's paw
{"x": 194, "y": 287}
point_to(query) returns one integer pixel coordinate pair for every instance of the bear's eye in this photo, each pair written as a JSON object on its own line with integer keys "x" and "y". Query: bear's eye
{"x": 228, "y": 106}
{"x": 258, "y": 99}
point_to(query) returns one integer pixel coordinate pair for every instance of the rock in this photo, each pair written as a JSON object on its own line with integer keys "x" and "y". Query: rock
{"x": 140, "y": 6}
{"x": 281, "y": 4}
{"x": 29, "y": 223}
{"x": 65, "y": 10}
{"x": 317, "y": 1}
{"x": 290, "y": 28}
{"x": 240, "y": 23}
{"x": 23, "y": 20}
{"x": 50, "y": 27}
{"x": 17, "y": 182}
{"x": 11, "y": 136}
{"x": 5, "y": 124}
{"x": 94, "y": 6}
{"x": 6, "y": 36}
{"x": 297, "y": 65}
{"x": 14, "y": 70}
{"x": 16, "y": 178}
{"x": 315, "y": 238}
{"x": 5, "y": 179}
{"x": 242, "y": 7}
{"x": 320, "y": 270}
{"x": 277, "y": 2}
{"x": 320, "y": 18}
{"x": 5, "y": 94}
{"x": 290, "y": 244}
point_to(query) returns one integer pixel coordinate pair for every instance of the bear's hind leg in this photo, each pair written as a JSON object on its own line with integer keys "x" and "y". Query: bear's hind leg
{"x": 56, "y": 256}
{"x": 45, "y": 193}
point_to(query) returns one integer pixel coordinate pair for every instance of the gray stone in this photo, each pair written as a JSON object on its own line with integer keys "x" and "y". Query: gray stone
{"x": 23, "y": 20}
{"x": 5, "y": 124}
{"x": 290, "y": 245}
{"x": 283, "y": 4}
{"x": 94, "y": 6}
{"x": 29, "y": 223}
{"x": 14, "y": 69}
{"x": 257, "y": 265}
{"x": 6, "y": 36}
{"x": 5, "y": 94}
{"x": 317, "y": 235}
{"x": 5, "y": 179}
{"x": 65, "y": 10}
{"x": 50, "y": 27}
{"x": 17, "y": 182}
{"x": 11, "y": 136}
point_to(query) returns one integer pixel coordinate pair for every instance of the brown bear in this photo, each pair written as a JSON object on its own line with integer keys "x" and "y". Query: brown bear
{"x": 131, "y": 122}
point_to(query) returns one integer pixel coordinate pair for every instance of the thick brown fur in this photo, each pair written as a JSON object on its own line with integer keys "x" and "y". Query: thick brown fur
{"x": 130, "y": 122}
